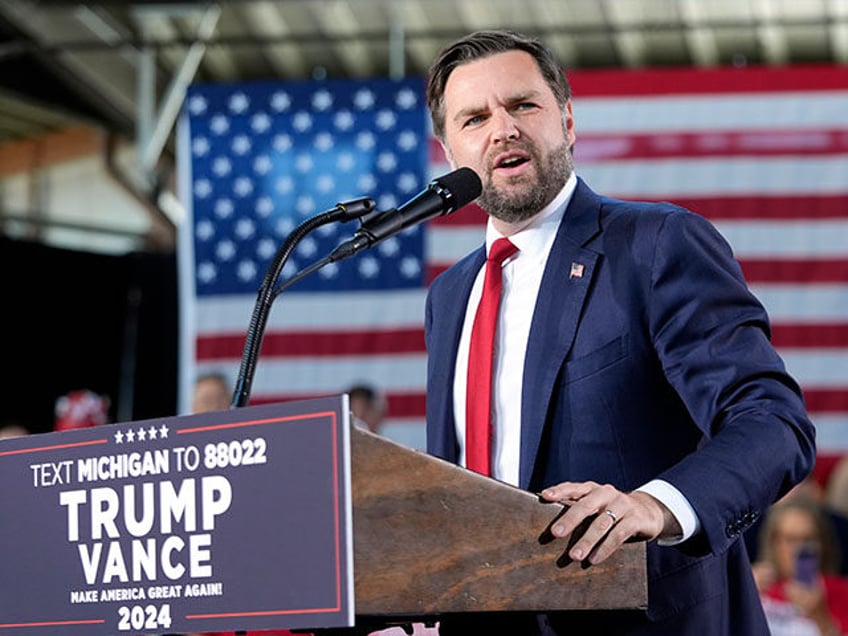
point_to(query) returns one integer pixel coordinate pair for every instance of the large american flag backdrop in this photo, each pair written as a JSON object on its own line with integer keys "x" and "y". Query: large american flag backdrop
{"x": 762, "y": 152}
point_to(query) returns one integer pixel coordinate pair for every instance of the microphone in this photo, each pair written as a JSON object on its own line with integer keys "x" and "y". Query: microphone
{"x": 442, "y": 196}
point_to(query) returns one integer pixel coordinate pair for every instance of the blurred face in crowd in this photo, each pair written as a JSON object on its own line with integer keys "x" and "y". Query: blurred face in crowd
{"x": 794, "y": 528}
{"x": 370, "y": 411}
{"x": 503, "y": 121}
{"x": 210, "y": 394}
{"x": 12, "y": 430}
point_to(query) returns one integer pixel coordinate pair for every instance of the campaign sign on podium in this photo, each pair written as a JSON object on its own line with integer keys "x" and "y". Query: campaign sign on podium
{"x": 224, "y": 521}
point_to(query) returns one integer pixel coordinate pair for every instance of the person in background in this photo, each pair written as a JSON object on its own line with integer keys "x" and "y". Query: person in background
{"x": 211, "y": 393}
{"x": 808, "y": 489}
{"x": 801, "y": 597}
{"x": 836, "y": 490}
{"x": 633, "y": 376}
{"x": 368, "y": 406}
{"x": 81, "y": 409}
{"x": 12, "y": 429}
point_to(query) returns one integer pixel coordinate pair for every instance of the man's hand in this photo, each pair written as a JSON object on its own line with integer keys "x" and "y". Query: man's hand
{"x": 619, "y": 517}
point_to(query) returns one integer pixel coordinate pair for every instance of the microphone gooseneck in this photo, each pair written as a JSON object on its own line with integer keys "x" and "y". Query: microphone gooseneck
{"x": 343, "y": 212}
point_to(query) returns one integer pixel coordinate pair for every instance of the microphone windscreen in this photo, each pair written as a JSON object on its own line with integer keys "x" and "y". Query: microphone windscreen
{"x": 462, "y": 186}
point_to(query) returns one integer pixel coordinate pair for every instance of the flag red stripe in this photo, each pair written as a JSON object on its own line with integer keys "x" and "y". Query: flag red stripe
{"x": 761, "y": 143}
{"x": 593, "y": 148}
{"x": 470, "y": 215}
{"x": 705, "y": 81}
{"x": 752, "y": 208}
{"x": 813, "y": 336}
{"x": 826, "y": 400}
{"x": 772, "y": 208}
{"x": 795, "y": 270}
{"x": 358, "y": 343}
{"x": 316, "y": 343}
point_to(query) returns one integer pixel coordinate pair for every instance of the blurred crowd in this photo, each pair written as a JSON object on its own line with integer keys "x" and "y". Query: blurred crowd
{"x": 800, "y": 557}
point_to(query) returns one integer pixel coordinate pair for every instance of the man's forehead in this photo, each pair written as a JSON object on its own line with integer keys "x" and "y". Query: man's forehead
{"x": 465, "y": 98}
{"x": 516, "y": 67}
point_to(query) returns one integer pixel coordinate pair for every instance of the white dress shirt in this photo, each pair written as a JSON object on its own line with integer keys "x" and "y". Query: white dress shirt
{"x": 522, "y": 277}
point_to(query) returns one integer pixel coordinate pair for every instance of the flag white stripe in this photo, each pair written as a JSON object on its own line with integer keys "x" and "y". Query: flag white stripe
{"x": 446, "y": 244}
{"x": 314, "y": 312}
{"x": 830, "y": 432}
{"x": 819, "y": 368}
{"x": 717, "y": 176}
{"x": 814, "y": 239}
{"x": 810, "y": 304}
{"x": 298, "y": 376}
{"x": 754, "y": 111}
{"x": 410, "y": 434}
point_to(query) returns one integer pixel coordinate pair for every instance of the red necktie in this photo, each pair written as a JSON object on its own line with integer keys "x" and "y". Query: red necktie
{"x": 478, "y": 400}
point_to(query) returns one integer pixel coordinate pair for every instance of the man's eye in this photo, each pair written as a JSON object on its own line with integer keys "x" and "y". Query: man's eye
{"x": 473, "y": 121}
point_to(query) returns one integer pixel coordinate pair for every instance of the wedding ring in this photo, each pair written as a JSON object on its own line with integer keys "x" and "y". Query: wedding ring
{"x": 612, "y": 516}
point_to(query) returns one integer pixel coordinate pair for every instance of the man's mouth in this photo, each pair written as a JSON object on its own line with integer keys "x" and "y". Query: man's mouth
{"x": 506, "y": 162}
{"x": 511, "y": 162}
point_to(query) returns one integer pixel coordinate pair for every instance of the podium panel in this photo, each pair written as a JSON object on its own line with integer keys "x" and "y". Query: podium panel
{"x": 431, "y": 537}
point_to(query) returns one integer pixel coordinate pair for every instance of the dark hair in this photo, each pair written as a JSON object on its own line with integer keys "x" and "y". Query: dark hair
{"x": 483, "y": 44}
{"x": 364, "y": 391}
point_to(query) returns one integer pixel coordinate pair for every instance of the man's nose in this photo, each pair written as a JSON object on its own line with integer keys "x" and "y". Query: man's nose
{"x": 504, "y": 126}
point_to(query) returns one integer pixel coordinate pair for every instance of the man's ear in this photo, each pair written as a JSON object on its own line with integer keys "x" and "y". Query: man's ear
{"x": 568, "y": 123}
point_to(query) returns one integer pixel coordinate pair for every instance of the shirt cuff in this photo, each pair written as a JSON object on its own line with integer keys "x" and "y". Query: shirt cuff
{"x": 679, "y": 506}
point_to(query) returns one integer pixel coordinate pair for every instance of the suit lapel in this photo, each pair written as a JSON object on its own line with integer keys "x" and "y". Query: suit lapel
{"x": 456, "y": 290}
{"x": 565, "y": 284}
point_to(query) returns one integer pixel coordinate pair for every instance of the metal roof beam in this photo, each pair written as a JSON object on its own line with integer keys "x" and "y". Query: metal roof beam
{"x": 151, "y": 148}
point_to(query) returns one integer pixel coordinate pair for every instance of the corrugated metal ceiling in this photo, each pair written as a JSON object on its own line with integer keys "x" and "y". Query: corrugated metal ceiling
{"x": 63, "y": 61}
{"x": 122, "y": 66}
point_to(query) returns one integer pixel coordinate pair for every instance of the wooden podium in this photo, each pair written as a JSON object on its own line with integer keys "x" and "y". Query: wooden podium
{"x": 432, "y": 538}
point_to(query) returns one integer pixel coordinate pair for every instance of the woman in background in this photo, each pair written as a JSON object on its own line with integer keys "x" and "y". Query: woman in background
{"x": 796, "y": 572}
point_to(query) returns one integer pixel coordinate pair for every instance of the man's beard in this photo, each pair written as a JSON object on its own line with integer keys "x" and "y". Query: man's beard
{"x": 520, "y": 204}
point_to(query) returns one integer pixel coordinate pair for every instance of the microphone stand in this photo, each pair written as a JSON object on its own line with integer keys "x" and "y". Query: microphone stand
{"x": 342, "y": 252}
{"x": 265, "y": 297}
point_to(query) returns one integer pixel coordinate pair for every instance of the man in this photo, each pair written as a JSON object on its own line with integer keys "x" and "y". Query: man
{"x": 634, "y": 379}
{"x": 211, "y": 393}
{"x": 11, "y": 429}
{"x": 368, "y": 406}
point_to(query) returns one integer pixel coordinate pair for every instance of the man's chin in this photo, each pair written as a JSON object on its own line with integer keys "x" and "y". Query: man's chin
{"x": 513, "y": 187}
{"x": 500, "y": 179}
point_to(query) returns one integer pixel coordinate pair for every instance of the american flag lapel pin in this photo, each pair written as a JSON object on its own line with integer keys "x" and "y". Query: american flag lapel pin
{"x": 576, "y": 270}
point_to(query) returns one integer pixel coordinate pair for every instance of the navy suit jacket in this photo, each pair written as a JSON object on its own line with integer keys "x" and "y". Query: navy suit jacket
{"x": 655, "y": 363}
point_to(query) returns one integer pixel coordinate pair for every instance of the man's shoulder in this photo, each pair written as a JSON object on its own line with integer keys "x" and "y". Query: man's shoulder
{"x": 639, "y": 209}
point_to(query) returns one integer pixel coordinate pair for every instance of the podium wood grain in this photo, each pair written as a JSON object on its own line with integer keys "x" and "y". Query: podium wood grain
{"x": 431, "y": 537}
